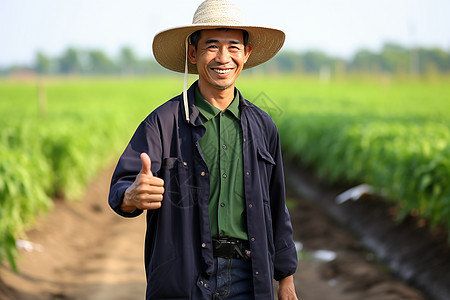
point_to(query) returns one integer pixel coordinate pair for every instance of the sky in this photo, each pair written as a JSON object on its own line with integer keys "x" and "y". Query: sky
{"x": 338, "y": 28}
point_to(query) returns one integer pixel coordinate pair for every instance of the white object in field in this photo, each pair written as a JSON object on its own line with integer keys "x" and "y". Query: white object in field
{"x": 325, "y": 255}
{"x": 355, "y": 193}
{"x": 29, "y": 246}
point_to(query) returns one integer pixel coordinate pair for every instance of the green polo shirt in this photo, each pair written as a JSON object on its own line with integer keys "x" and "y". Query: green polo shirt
{"x": 222, "y": 149}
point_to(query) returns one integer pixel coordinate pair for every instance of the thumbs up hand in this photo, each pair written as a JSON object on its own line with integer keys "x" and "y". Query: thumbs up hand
{"x": 146, "y": 192}
{"x": 146, "y": 164}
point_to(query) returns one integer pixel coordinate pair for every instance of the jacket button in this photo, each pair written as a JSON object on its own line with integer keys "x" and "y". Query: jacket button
{"x": 203, "y": 173}
{"x": 203, "y": 245}
{"x": 250, "y": 205}
{"x": 253, "y": 239}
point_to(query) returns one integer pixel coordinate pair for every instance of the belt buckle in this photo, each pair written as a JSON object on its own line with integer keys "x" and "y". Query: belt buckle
{"x": 231, "y": 248}
{"x": 227, "y": 241}
{"x": 224, "y": 248}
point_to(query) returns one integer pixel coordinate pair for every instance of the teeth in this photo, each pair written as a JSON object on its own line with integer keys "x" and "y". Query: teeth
{"x": 222, "y": 71}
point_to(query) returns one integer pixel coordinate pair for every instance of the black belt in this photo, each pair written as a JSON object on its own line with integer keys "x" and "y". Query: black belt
{"x": 231, "y": 248}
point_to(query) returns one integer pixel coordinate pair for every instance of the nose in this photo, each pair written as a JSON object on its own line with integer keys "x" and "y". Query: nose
{"x": 223, "y": 56}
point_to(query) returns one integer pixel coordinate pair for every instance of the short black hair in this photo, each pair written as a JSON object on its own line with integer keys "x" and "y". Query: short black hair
{"x": 195, "y": 37}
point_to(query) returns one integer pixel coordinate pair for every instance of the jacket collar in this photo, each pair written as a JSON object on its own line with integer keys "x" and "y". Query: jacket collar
{"x": 193, "y": 110}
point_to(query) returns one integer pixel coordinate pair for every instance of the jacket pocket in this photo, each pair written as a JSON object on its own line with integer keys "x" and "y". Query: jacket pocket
{"x": 265, "y": 166}
{"x": 264, "y": 155}
{"x": 178, "y": 183}
{"x": 169, "y": 162}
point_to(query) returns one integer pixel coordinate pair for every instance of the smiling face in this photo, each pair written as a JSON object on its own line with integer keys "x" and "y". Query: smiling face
{"x": 220, "y": 57}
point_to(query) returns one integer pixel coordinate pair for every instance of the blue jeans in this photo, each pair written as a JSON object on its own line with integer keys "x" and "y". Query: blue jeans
{"x": 233, "y": 279}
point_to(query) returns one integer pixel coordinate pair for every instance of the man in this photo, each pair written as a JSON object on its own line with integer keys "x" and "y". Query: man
{"x": 207, "y": 168}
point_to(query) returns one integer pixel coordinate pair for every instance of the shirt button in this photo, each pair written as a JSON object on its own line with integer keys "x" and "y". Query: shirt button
{"x": 224, "y": 175}
{"x": 222, "y": 204}
{"x": 203, "y": 173}
{"x": 203, "y": 245}
{"x": 224, "y": 147}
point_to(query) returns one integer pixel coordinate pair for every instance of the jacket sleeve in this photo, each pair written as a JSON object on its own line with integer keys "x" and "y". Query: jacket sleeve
{"x": 285, "y": 261}
{"x": 145, "y": 139}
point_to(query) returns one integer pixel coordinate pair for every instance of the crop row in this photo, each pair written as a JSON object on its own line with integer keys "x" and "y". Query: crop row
{"x": 393, "y": 135}
{"x": 54, "y": 139}
{"x": 41, "y": 159}
{"x": 410, "y": 163}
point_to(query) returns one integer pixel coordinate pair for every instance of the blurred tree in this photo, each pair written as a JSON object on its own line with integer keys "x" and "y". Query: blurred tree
{"x": 395, "y": 58}
{"x": 127, "y": 61}
{"x": 42, "y": 63}
{"x": 149, "y": 66}
{"x": 365, "y": 61}
{"x": 69, "y": 62}
{"x": 437, "y": 57}
{"x": 392, "y": 59}
{"x": 289, "y": 62}
{"x": 313, "y": 61}
{"x": 100, "y": 63}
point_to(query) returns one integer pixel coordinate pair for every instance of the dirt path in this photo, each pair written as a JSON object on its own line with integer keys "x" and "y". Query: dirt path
{"x": 335, "y": 265}
{"x": 88, "y": 252}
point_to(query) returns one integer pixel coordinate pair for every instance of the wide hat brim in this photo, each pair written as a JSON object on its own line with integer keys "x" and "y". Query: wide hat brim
{"x": 169, "y": 46}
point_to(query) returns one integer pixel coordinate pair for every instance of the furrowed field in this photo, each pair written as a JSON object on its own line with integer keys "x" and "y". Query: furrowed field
{"x": 393, "y": 134}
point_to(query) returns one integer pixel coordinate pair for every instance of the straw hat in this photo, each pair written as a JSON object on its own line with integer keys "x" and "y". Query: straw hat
{"x": 169, "y": 46}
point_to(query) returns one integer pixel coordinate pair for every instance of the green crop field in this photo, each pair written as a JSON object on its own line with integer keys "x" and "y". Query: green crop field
{"x": 54, "y": 136}
{"x": 391, "y": 133}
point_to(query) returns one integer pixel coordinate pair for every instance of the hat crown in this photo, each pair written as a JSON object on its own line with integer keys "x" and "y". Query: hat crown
{"x": 219, "y": 12}
{"x": 169, "y": 46}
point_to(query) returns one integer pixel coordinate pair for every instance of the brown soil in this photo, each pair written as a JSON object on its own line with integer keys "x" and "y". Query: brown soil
{"x": 412, "y": 250}
{"x": 88, "y": 252}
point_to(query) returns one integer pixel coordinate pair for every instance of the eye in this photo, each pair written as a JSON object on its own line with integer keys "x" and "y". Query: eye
{"x": 234, "y": 49}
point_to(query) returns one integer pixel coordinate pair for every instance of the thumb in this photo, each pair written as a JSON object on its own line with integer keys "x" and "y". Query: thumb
{"x": 146, "y": 164}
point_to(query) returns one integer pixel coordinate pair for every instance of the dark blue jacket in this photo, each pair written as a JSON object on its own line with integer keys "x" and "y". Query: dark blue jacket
{"x": 178, "y": 247}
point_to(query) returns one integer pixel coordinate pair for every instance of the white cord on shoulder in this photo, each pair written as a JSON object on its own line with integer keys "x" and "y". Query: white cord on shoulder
{"x": 185, "y": 98}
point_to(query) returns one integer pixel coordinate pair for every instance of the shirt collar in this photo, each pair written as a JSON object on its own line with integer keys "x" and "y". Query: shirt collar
{"x": 209, "y": 111}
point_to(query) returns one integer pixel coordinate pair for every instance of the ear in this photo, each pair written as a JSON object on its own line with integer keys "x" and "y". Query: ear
{"x": 192, "y": 54}
{"x": 248, "y": 51}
